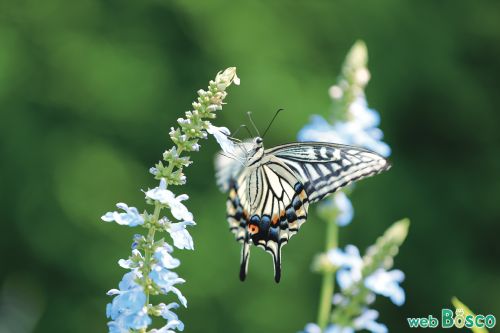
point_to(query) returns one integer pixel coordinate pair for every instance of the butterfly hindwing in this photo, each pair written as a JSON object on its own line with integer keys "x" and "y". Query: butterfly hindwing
{"x": 324, "y": 168}
{"x": 266, "y": 206}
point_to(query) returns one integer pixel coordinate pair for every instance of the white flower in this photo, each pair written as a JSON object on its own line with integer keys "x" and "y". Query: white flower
{"x": 386, "y": 283}
{"x": 349, "y": 263}
{"x": 181, "y": 237}
{"x": 335, "y": 92}
{"x": 367, "y": 322}
{"x": 221, "y": 134}
{"x": 131, "y": 217}
{"x": 224, "y": 79}
{"x": 195, "y": 147}
{"x": 166, "y": 197}
{"x": 362, "y": 76}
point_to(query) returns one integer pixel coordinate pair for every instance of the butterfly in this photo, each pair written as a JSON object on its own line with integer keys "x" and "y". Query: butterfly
{"x": 269, "y": 191}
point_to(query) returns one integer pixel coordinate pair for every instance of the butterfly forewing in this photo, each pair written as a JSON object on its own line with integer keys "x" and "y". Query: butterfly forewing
{"x": 324, "y": 168}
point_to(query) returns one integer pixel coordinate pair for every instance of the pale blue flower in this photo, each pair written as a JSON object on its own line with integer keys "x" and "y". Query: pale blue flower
{"x": 311, "y": 328}
{"x": 171, "y": 324}
{"x": 173, "y": 321}
{"x": 386, "y": 283}
{"x": 340, "y": 205}
{"x": 367, "y": 322}
{"x": 137, "y": 239}
{"x": 360, "y": 113}
{"x": 161, "y": 273}
{"x": 314, "y": 328}
{"x": 166, "y": 197}
{"x": 181, "y": 237}
{"x": 350, "y": 264}
{"x": 345, "y": 209}
{"x": 351, "y": 132}
{"x": 126, "y": 322}
{"x": 117, "y": 327}
{"x": 134, "y": 261}
{"x": 338, "y": 329}
{"x": 345, "y": 212}
{"x": 166, "y": 279}
{"x": 153, "y": 171}
{"x": 130, "y": 217}
{"x": 128, "y": 308}
{"x": 320, "y": 130}
{"x": 164, "y": 258}
{"x": 358, "y": 129}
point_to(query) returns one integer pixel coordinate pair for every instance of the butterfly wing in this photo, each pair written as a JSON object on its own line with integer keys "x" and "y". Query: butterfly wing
{"x": 267, "y": 205}
{"x": 268, "y": 202}
{"x": 227, "y": 167}
{"x": 324, "y": 168}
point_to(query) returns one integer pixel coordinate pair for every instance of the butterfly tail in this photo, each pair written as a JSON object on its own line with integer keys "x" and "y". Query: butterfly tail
{"x": 245, "y": 256}
{"x": 277, "y": 263}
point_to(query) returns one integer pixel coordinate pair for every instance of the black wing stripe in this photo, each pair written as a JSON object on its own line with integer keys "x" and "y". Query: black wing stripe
{"x": 323, "y": 168}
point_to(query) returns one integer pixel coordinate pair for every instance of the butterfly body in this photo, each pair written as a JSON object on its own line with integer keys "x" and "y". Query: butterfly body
{"x": 270, "y": 190}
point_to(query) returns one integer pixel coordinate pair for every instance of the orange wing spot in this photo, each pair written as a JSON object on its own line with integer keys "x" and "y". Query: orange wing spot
{"x": 302, "y": 195}
{"x": 275, "y": 219}
{"x": 282, "y": 213}
{"x": 253, "y": 228}
{"x": 245, "y": 214}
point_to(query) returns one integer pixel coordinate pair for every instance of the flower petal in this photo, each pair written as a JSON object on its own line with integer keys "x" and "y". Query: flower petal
{"x": 221, "y": 134}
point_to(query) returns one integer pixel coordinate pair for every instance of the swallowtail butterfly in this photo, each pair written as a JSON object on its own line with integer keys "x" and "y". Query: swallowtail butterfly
{"x": 270, "y": 190}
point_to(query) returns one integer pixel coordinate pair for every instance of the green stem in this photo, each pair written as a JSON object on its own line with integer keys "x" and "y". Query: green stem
{"x": 147, "y": 252}
{"x": 328, "y": 284}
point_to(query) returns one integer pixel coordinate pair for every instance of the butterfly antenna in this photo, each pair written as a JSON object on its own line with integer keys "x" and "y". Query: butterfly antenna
{"x": 271, "y": 122}
{"x": 253, "y": 124}
{"x": 239, "y": 128}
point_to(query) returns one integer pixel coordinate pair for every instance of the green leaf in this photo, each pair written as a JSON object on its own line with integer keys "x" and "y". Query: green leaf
{"x": 459, "y": 305}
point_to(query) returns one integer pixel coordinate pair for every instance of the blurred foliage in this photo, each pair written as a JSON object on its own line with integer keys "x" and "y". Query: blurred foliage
{"x": 89, "y": 90}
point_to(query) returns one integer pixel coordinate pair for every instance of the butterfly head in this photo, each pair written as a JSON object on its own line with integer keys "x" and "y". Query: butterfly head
{"x": 256, "y": 151}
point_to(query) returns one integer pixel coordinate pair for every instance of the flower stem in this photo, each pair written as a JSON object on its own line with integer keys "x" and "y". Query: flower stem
{"x": 328, "y": 284}
{"x": 147, "y": 252}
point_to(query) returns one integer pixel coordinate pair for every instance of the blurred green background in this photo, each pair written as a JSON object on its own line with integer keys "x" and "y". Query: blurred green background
{"x": 89, "y": 90}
